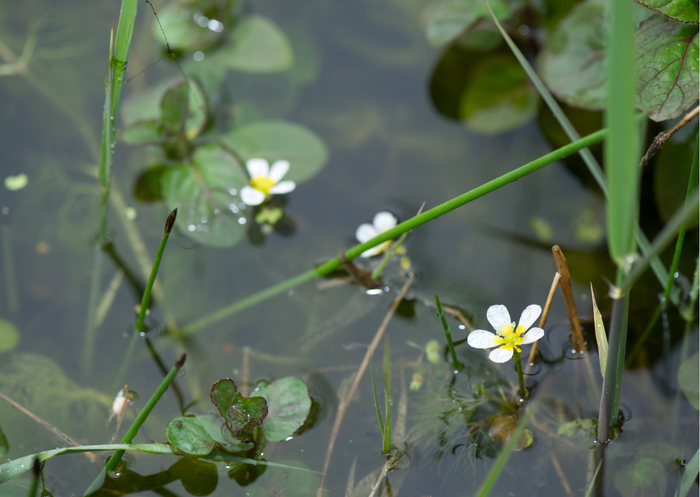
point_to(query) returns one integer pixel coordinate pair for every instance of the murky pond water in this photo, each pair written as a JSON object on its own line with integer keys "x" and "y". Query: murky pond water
{"x": 375, "y": 97}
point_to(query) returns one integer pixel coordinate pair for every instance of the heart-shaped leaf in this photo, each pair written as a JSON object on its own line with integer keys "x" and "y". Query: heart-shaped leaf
{"x": 288, "y": 402}
{"x": 142, "y": 133}
{"x": 241, "y": 414}
{"x": 451, "y": 20}
{"x": 206, "y": 192}
{"x": 644, "y": 477}
{"x": 667, "y": 67}
{"x": 183, "y": 32}
{"x": 201, "y": 435}
{"x": 680, "y": 10}
{"x": 274, "y": 140}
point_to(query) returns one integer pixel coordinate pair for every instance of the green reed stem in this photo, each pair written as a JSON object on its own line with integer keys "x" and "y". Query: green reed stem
{"x": 390, "y": 253}
{"x": 136, "y": 425}
{"x": 448, "y": 335}
{"x": 616, "y": 355}
{"x": 376, "y": 399}
{"x": 36, "y": 472}
{"x": 521, "y": 380}
{"x": 407, "y": 225}
{"x": 643, "y": 337}
{"x": 388, "y": 401}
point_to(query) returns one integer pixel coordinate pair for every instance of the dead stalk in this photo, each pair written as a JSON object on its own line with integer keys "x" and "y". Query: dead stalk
{"x": 543, "y": 320}
{"x": 565, "y": 282}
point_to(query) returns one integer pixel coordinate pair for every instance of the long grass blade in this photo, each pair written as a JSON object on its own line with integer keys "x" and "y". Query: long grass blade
{"x": 376, "y": 399}
{"x": 600, "y": 337}
{"x": 448, "y": 335}
{"x": 388, "y": 401}
{"x": 689, "y": 475}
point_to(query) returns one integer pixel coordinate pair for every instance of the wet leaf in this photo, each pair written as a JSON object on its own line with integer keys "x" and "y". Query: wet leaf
{"x": 600, "y": 336}
{"x": 450, "y": 20}
{"x": 573, "y": 61}
{"x": 258, "y": 46}
{"x": 288, "y": 403}
{"x": 502, "y": 427}
{"x": 580, "y": 431}
{"x": 182, "y": 31}
{"x": 498, "y": 97}
{"x": 142, "y": 133}
{"x": 680, "y": 10}
{"x": 147, "y": 187}
{"x": 201, "y": 435}
{"x": 9, "y": 336}
{"x": 644, "y": 477}
{"x": 688, "y": 375}
{"x": 173, "y": 109}
{"x": 242, "y": 415}
{"x": 273, "y": 140}
{"x": 202, "y": 190}
{"x": 4, "y": 445}
{"x": 667, "y": 67}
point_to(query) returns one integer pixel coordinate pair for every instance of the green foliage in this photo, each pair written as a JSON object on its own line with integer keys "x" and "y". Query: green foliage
{"x": 4, "y": 445}
{"x": 573, "y": 62}
{"x": 203, "y": 191}
{"x": 689, "y": 475}
{"x": 453, "y": 19}
{"x": 201, "y": 435}
{"x": 288, "y": 404}
{"x": 679, "y": 10}
{"x": 9, "y": 336}
{"x": 644, "y": 477}
{"x": 241, "y": 415}
{"x": 182, "y": 31}
{"x": 688, "y": 375}
{"x": 273, "y": 140}
{"x": 667, "y": 67}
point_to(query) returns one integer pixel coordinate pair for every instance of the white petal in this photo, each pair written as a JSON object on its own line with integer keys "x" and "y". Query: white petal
{"x": 529, "y": 316}
{"x": 481, "y": 339}
{"x": 501, "y": 355}
{"x": 498, "y": 316}
{"x": 384, "y": 221}
{"x": 279, "y": 169}
{"x": 283, "y": 187}
{"x": 371, "y": 252}
{"x": 251, "y": 196}
{"x": 532, "y": 336}
{"x": 365, "y": 232}
{"x": 257, "y": 167}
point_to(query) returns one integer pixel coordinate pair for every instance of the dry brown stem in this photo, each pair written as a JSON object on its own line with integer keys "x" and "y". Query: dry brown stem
{"x": 565, "y": 282}
{"x": 660, "y": 140}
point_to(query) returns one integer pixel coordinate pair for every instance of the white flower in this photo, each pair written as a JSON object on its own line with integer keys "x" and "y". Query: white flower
{"x": 508, "y": 338}
{"x": 265, "y": 180}
{"x": 383, "y": 221}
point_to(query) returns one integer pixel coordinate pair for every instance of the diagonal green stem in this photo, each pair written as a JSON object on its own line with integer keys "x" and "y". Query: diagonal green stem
{"x": 448, "y": 334}
{"x": 407, "y": 225}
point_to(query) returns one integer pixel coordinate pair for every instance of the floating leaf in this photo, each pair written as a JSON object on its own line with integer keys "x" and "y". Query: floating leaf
{"x": 667, "y": 67}
{"x": 289, "y": 404}
{"x": 242, "y": 415}
{"x": 9, "y": 336}
{"x": 451, "y": 20}
{"x": 258, "y": 46}
{"x": 201, "y": 435}
{"x": 273, "y": 140}
{"x": 680, "y": 10}
{"x": 579, "y": 431}
{"x": 503, "y": 427}
{"x": 600, "y": 337}
{"x": 183, "y": 32}
{"x": 498, "y": 97}
{"x": 573, "y": 61}
{"x": 688, "y": 375}
{"x": 206, "y": 192}
{"x": 644, "y": 477}
{"x": 142, "y": 133}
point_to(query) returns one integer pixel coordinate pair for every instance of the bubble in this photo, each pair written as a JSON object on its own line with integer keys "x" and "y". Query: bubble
{"x": 215, "y": 25}
{"x": 191, "y": 227}
{"x": 241, "y": 220}
{"x": 198, "y": 56}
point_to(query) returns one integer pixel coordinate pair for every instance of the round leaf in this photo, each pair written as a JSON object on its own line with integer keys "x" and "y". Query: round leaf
{"x": 258, "y": 46}
{"x": 688, "y": 379}
{"x": 573, "y": 61}
{"x": 645, "y": 477}
{"x": 679, "y": 10}
{"x": 288, "y": 406}
{"x": 200, "y": 436}
{"x": 182, "y": 30}
{"x": 273, "y": 140}
{"x": 240, "y": 414}
{"x": 9, "y": 336}
{"x": 667, "y": 67}
{"x": 450, "y": 20}
{"x": 206, "y": 192}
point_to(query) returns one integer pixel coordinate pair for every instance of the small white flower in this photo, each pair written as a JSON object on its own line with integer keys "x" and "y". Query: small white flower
{"x": 383, "y": 221}
{"x": 508, "y": 338}
{"x": 265, "y": 180}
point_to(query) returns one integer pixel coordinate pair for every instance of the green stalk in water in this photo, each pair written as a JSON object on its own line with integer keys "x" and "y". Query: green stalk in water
{"x": 455, "y": 363}
{"x": 521, "y": 380}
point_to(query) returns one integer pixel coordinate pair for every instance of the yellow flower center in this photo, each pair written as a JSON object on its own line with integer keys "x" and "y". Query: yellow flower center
{"x": 509, "y": 337}
{"x": 263, "y": 183}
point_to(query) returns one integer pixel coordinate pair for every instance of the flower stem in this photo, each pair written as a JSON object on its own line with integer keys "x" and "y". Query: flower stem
{"x": 521, "y": 382}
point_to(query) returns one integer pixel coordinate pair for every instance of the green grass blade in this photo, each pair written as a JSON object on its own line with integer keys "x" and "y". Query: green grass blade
{"x": 616, "y": 356}
{"x": 388, "y": 401}
{"x": 376, "y": 400}
{"x": 125, "y": 31}
{"x": 689, "y": 475}
{"x": 448, "y": 335}
{"x": 595, "y": 474}
{"x": 600, "y": 336}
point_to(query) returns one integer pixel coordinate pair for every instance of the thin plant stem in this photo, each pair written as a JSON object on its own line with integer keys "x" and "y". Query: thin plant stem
{"x": 543, "y": 320}
{"x": 134, "y": 428}
{"x": 392, "y": 250}
{"x": 521, "y": 381}
{"x": 643, "y": 337}
{"x": 388, "y": 401}
{"x": 407, "y": 225}
{"x": 565, "y": 283}
{"x": 616, "y": 356}
{"x": 9, "y": 270}
{"x": 455, "y": 363}
{"x": 376, "y": 399}
{"x": 36, "y": 472}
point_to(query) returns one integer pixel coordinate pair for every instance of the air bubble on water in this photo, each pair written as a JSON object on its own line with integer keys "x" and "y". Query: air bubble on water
{"x": 143, "y": 334}
{"x": 288, "y": 439}
{"x": 215, "y": 25}
{"x": 461, "y": 327}
{"x": 198, "y": 56}
{"x": 241, "y": 220}
{"x": 191, "y": 227}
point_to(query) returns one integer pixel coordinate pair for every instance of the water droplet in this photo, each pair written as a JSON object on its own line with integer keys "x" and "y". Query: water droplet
{"x": 198, "y": 56}
{"x": 241, "y": 220}
{"x": 461, "y": 327}
{"x": 232, "y": 191}
{"x": 191, "y": 227}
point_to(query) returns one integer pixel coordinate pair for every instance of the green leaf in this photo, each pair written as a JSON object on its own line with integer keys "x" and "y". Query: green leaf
{"x": 644, "y": 477}
{"x": 498, "y": 97}
{"x": 182, "y": 31}
{"x": 452, "y": 19}
{"x": 273, "y": 140}
{"x": 573, "y": 62}
{"x": 679, "y": 10}
{"x": 667, "y": 67}
{"x": 204, "y": 192}
{"x": 142, "y": 132}
{"x": 147, "y": 187}
{"x": 9, "y": 336}
{"x": 600, "y": 337}
{"x": 289, "y": 404}
{"x": 257, "y": 46}
{"x": 688, "y": 375}
{"x": 689, "y": 475}
{"x": 201, "y": 435}
{"x": 4, "y": 445}
{"x": 242, "y": 415}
